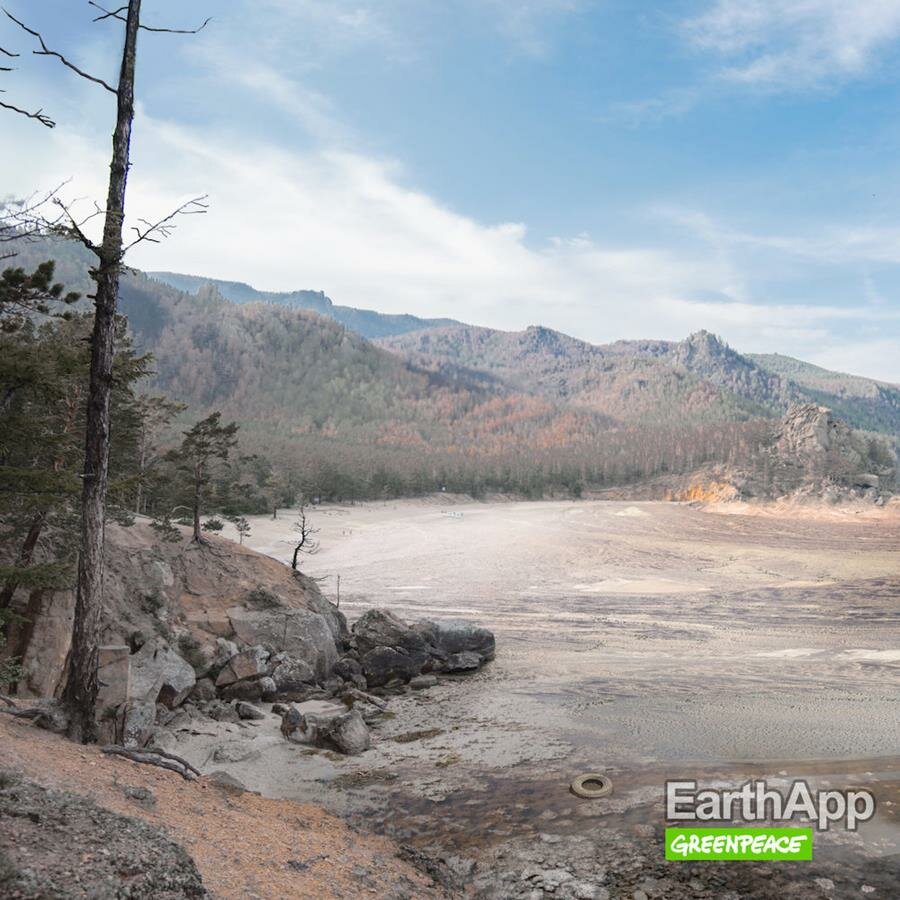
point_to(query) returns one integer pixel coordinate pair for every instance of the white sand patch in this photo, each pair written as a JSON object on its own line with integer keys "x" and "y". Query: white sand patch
{"x": 638, "y": 586}
{"x": 791, "y": 653}
{"x": 873, "y": 655}
{"x": 631, "y": 511}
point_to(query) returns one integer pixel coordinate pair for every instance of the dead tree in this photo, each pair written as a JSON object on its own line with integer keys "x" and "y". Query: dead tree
{"x": 80, "y": 691}
{"x": 307, "y": 543}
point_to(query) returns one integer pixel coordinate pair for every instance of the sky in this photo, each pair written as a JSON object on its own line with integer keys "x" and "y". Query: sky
{"x": 609, "y": 168}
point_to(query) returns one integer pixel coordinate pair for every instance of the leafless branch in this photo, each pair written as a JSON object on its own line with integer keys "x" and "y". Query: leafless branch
{"x": 154, "y": 232}
{"x": 25, "y": 220}
{"x": 74, "y": 227}
{"x": 38, "y": 115}
{"x": 46, "y": 51}
{"x": 117, "y": 14}
{"x": 8, "y": 53}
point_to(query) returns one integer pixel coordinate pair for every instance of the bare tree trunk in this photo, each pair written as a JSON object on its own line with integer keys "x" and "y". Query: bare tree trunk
{"x": 198, "y": 534}
{"x": 80, "y": 693}
{"x": 32, "y": 612}
{"x": 142, "y": 462}
{"x": 24, "y": 559}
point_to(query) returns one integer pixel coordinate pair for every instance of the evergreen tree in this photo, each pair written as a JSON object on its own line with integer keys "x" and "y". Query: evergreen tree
{"x": 208, "y": 444}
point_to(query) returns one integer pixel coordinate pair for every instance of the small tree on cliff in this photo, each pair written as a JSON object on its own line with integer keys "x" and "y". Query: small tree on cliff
{"x": 207, "y": 444}
{"x": 306, "y": 541}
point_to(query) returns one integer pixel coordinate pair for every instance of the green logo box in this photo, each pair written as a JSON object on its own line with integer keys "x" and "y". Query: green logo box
{"x": 684, "y": 844}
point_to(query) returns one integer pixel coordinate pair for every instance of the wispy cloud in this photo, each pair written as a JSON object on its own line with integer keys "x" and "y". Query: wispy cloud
{"x": 671, "y": 104}
{"x": 788, "y": 44}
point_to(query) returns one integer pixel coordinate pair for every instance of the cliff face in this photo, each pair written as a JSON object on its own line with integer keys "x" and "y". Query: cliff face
{"x": 187, "y": 596}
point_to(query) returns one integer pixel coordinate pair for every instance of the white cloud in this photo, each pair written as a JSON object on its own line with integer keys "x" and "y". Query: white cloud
{"x": 795, "y": 43}
{"x": 346, "y": 223}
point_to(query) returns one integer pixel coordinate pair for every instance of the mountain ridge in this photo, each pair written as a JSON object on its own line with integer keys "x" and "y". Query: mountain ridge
{"x": 366, "y": 322}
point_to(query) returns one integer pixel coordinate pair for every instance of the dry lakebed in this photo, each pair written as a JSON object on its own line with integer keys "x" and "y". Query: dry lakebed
{"x": 645, "y": 641}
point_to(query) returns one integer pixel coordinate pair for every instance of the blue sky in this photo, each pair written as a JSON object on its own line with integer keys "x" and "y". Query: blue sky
{"x": 612, "y": 169}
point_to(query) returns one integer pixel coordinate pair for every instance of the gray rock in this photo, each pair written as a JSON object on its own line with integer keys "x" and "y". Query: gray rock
{"x": 159, "y": 674}
{"x": 248, "y": 664}
{"x": 458, "y": 636}
{"x": 420, "y": 682}
{"x": 463, "y": 662}
{"x": 298, "y": 632}
{"x": 227, "y": 782}
{"x": 383, "y": 665}
{"x": 333, "y": 685}
{"x": 204, "y": 689}
{"x": 219, "y": 711}
{"x": 236, "y": 752}
{"x": 248, "y": 711}
{"x": 359, "y": 682}
{"x": 346, "y": 667}
{"x": 389, "y": 648}
{"x": 292, "y": 674}
{"x": 139, "y": 719}
{"x": 346, "y": 732}
{"x": 253, "y": 690}
{"x": 57, "y": 844}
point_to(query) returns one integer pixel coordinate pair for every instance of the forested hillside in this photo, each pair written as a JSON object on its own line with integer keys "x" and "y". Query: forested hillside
{"x": 466, "y": 408}
{"x": 700, "y": 377}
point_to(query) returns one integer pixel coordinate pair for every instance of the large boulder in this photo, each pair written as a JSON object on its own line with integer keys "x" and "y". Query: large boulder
{"x": 251, "y": 663}
{"x": 335, "y": 728}
{"x": 388, "y": 648}
{"x": 458, "y": 636}
{"x": 298, "y": 632}
{"x": 250, "y": 689}
{"x": 292, "y": 675}
{"x": 160, "y": 675}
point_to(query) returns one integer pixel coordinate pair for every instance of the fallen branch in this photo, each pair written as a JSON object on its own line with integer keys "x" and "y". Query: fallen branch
{"x": 8, "y": 701}
{"x": 362, "y": 696}
{"x": 178, "y": 759}
{"x": 150, "y": 758}
{"x": 32, "y": 712}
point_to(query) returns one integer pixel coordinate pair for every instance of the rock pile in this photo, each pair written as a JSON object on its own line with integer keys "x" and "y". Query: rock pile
{"x": 225, "y": 679}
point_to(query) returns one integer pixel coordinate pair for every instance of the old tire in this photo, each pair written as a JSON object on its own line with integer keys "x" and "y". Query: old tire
{"x": 591, "y": 786}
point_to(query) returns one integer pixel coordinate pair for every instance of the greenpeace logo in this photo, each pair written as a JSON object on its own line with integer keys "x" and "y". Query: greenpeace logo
{"x": 684, "y": 844}
{"x": 755, "y": 801}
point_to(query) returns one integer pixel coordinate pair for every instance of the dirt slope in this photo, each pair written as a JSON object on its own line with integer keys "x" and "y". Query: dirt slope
{"x": 244, "y": 845}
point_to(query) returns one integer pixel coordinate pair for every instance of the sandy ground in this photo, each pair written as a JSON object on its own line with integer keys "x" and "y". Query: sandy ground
{"x": 645, "y": 640}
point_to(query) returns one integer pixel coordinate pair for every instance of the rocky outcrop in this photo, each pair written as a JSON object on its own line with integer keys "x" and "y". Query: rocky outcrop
{"x": 390, "y": 650}
{"x": 812, "y": 445}
{"x": 197, "y": 604}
